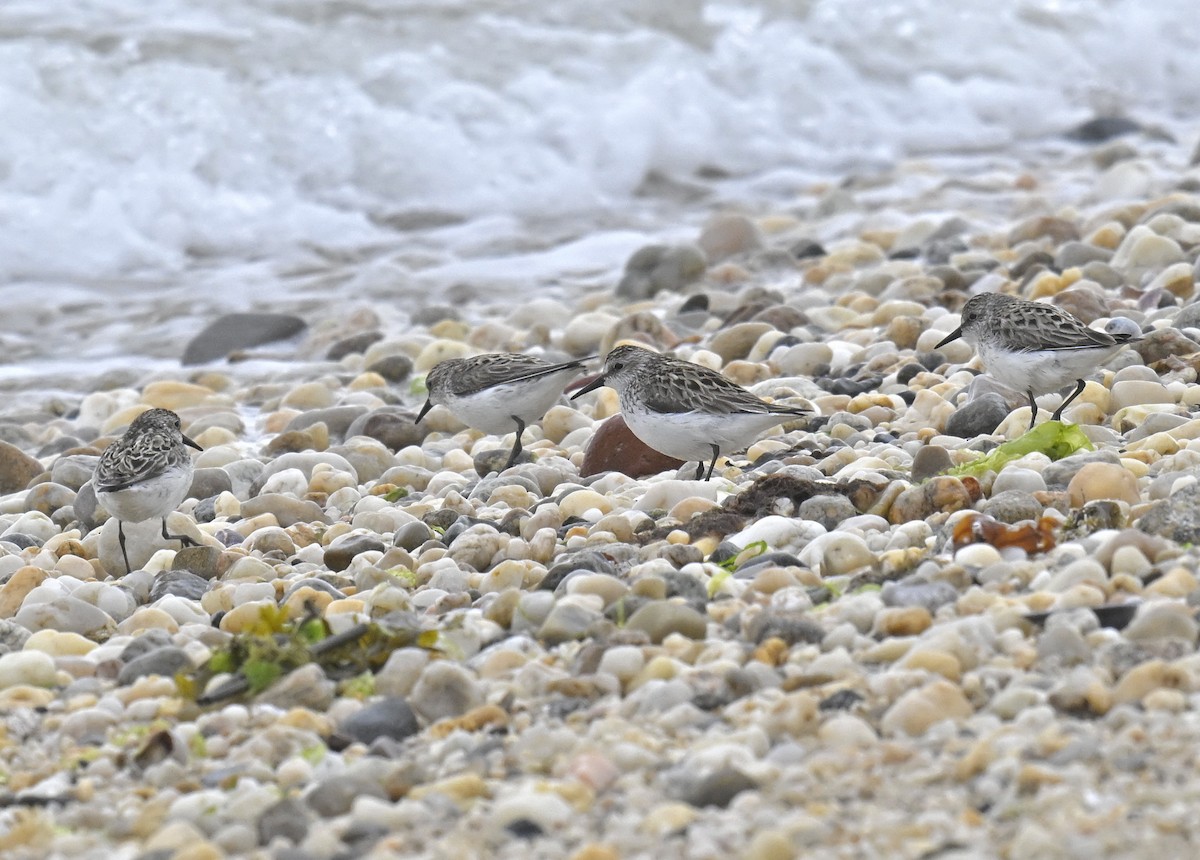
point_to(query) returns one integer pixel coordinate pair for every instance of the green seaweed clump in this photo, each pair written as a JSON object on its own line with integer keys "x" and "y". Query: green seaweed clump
{"x": 1054, "y": 439}
{"x": 274, "y": 646}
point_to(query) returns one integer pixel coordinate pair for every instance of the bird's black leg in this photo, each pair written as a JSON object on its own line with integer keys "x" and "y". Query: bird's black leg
{"x": 716, "y": 454}
{"x": 516, "y": 449}
{"x": 1079, "y": 386}
{"x": 183, "y": 539}
{"x": 1032, "y": 407}
{"x": 699, "y": 470}
{"x": 121, "y": 541}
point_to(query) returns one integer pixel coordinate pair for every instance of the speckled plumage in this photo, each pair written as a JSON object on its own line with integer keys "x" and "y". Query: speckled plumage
{"x": 499, "y": 392}
{"x": 146, "y": 473}
{"x": 685, "y": 410}
{"x": 1034, "y": 347}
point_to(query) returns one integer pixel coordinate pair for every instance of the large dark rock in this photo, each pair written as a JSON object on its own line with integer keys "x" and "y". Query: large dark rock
{"x": 614, "y": 448}
{"x": 232, "y": 332}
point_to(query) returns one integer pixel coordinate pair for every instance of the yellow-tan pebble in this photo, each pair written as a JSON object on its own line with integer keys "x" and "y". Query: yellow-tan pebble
{"x": 461, "y": 789}
{"x": 250, "y": 569}
{"x": 582, "y": 501}
{"x": 308, "y": 395}
{"x": 366, "y": 381}
{"x": 667, "y": 818}
{"x": 175, "y": 395}
{"x": 1164, "y": 699}
{"x": 345, "y": 606}
{"x": 507, "y": 574}
{"x": 1177, "y": 582}
{"x": 300, "y": 601}
{"x": 934, "y": 660}
{"x": 25, "y": 696}
{"x": 59, "y": 643}
{"x": 1102, "y": 481}
{"x": 772, "y": 579}
{"x": 1149, "y": 676}
{"x": 914, "y": 712}
{"x": 325, "y": 479}
{"x": 457, "y": 460}
{"x": 439, "y": 351}
{"x": 213, "y": 437}
{"x": 1137, "y": 392}
{"x": 148, "y": 618}
{"x": 902, "y": 621}
{"x": 241, "y": 618}
{"x": 608, "y": 588}
{"x": 12, "y": 593}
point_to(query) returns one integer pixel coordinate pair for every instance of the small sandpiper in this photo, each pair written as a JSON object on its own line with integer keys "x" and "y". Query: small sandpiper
{"x": 685, "y": 410}
{"x": 1035, "y": 347}
{"x": 500, "y": 392}
{"x": 146, "y": 473}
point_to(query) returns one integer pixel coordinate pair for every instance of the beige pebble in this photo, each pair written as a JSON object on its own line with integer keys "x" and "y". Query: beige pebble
{"x": 902, "y": 621}
{"x": 1102, "y": 481}
{"x": 581, "y": 501}
{"x": 1151, "y": 675}
{"x": 915, "y": 711}
{"x": 1137, "y": 392}
{"x": 1162, "y": 620}
{"x": 241, "y": 618}
{"x": 934, "y": 660}
{"x": 1178, "y": 582}
{"x": 59, "y": 643}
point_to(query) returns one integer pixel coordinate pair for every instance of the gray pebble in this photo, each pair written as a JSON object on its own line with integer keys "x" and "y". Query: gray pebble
{"x": 73, "y": 470}
{"x": 164, "y": 661}
{"x": 387, "y": 718}
{"x": 287, "y": 819}
{"x": 444, "y": 689}
{"x": 827, "y": 509}
{"x": 1011, "y": 506}
{"x": 411, "y": 535}
{"x": 209, "y": 482}
{"x": 181, "y": 583}
{"x": 978, "y": 418}
{"x": 931, "y": 595}
{"x": 660, "y": 618}
{"x": 201, "y": 561}
{"x": 718, "y": 788}
{"x": 931, "y": 460}
{"x": 336, "y": 794}
{"x": 342, "y": 551}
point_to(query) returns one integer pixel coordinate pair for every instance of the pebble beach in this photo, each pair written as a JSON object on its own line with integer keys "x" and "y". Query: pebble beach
{"x": 906, "y": 625}
{"x": 832, "y": 649}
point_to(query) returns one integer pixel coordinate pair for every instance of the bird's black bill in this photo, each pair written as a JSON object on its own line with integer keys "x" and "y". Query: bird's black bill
{"x": 591, "y": 386}
{"x": 424, "y": 409}
{"x": 187, "y": 441}
{"x": 954, "y": 335}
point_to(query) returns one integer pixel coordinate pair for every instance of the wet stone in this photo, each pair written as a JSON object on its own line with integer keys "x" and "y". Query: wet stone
{"x": 391, "y": 426}
{"x": 354, "y": 344}
{"x": 1012, "y": 506}
{"x": 165, "y": 661}
{"x": 930, "y": 460}
{"x": 234, "y": 332}
{"x": 791, "y": 627}
{"x": 978, "y": 418}
{"x": 203, "y": 561}
{"x": 393, "y": 368}
{"x": 286, "y": 819}
{"x": 929, "y": 595}
{"x": 387, "y": 718}
{"x": 718, "y": 788}
{"x": 341, "y": 552}
{"x": 181, "y": 583}
{"x": 496, "y": 460}
{"x": 209, "y": 482}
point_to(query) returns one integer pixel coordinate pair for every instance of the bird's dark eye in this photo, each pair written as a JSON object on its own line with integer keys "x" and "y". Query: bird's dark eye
{"x": 617, "y": 366}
